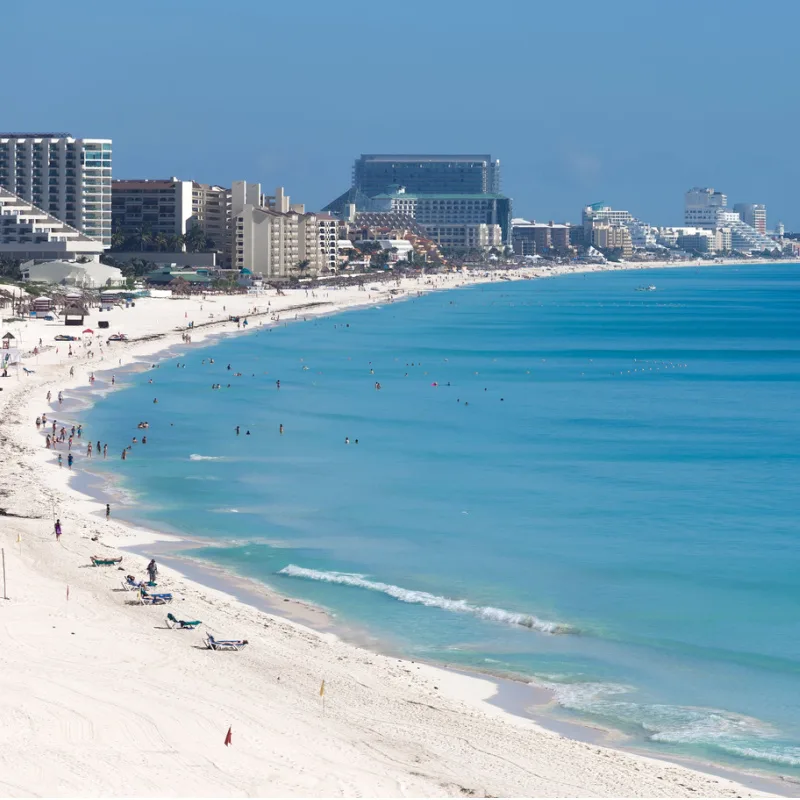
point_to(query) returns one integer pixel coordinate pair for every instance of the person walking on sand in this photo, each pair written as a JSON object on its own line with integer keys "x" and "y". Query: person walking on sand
{"x": 48, "y": 396}
{"x": 58, "y": 530}
{"x": 60, "y": 460}
{"x": 152, "y": 570}
{"x": 113, "y": 379}
{"x": 70, "y": 459}
{"x": 108, "y": 511}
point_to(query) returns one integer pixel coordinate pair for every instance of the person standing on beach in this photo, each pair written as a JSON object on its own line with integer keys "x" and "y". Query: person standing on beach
{"x": 60, "y": 461}
{"x": 70, "y": 459}
{"x": 113, "y": 379}
{"x": 108, "y": 511}
{"x": 58, "y": 530}
{"x": 152, "y": 570}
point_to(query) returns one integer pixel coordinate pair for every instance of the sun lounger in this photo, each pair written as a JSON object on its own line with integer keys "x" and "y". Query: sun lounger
{"x": 148, "y": 599}
{"x": 173, "y": 621}
{"x": 130, "y": 584}
{"x": 105, "y": 562}
{"x": 224, "y": 644}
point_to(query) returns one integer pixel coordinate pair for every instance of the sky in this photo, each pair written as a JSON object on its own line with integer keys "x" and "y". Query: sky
{"x": 631, "y": 102}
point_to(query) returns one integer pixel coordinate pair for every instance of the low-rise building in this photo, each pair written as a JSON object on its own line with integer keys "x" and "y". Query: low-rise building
{"x": 90, "y": 275}
{"x": 28, "y": 232}
{"x": 531, "y": 238}
{"x": 472, "y": 236}
{"x": 612, "y": 237}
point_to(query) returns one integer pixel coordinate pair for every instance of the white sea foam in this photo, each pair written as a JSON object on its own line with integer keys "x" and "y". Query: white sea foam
{"x": 225, "y": 510}
{"x": 196, "y": 457}
{"x": 427, "y": 599}
{"x": 735, "y": 734}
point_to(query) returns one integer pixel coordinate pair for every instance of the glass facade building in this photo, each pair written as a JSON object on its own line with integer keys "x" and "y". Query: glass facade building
{"x": 427, "y": 174}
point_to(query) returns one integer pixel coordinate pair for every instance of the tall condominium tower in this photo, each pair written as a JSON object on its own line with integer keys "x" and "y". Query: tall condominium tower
{"x": 68, "y": 178}
{"x": 427, "y": 174}
{"x": 754, "y": 214}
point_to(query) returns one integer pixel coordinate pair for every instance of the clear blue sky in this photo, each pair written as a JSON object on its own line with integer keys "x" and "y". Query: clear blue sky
{"x": 627, "y": 101}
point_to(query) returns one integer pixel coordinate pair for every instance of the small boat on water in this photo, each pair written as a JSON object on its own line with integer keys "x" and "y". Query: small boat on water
{"x": 649, "y": 288}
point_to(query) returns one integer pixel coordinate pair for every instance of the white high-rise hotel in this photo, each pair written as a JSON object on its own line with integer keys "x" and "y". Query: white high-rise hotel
{"x": 68, "y": 178}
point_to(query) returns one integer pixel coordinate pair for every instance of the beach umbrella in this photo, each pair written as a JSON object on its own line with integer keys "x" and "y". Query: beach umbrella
{"x": 89, "y": 330}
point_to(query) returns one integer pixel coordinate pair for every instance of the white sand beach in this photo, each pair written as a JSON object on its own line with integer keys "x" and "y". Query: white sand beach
{"x": 99, "y": 697}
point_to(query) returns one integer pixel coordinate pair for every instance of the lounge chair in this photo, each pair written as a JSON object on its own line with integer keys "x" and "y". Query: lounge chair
{"x": 130, "y": 584}
{"x": 148, "y": 599}
{"x": 224, "y": 644}
{"x": 104, "y": 562}
{"x": 173, "y": 621}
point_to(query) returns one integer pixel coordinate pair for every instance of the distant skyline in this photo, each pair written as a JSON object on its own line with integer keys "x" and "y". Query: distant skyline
{"x": 625, "y": 102}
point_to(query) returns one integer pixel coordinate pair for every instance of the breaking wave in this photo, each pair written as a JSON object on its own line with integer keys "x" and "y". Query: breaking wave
{"x": 427, "y": 599}
{"x": 196, "y": 457}
{"x": 724, "y": 731}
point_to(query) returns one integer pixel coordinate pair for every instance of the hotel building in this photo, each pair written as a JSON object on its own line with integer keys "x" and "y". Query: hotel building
{"x": 68, "y": 178}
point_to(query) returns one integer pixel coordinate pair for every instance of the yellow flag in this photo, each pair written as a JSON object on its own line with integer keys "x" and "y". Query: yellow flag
{"x": 322, "y": 689}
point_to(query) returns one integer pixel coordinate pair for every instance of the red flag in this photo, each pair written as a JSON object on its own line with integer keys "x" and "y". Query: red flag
{"x": 228, "y": 739}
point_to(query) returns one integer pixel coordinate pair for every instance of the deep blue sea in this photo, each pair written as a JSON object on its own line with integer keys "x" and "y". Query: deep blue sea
{"x": 563, "y": 479}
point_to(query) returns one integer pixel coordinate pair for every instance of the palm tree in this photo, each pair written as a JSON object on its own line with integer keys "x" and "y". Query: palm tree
{"x": 118, "y": 239}
{"x": 161, "y": 242}
{"x": 195, "y": 239}
{"x": 303, "y": 265}
{"x": 175, "y": 242}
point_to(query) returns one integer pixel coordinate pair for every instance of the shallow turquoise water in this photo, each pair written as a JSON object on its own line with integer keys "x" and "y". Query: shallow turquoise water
{"x": 599, "y": 493}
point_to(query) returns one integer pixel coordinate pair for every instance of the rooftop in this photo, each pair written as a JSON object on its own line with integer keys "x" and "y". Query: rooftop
{"x": 424, "y": 157}
{"x": 36, "y": 136}
{"x": 426, "y": 196}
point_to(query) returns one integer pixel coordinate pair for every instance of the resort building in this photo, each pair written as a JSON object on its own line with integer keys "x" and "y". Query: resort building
{"x": 427, "y": 174}
{"x": 754, "y": 215}
{"x": 474, "y": 236}
{"x": 706, "y": 208}
{"x": 160, "y": 206}
{"x": 68, "y": 178}
{"x": 443, "y": 191}
{"x": 531, "y": 238}
{"x": 612, "y": 237}
{"x": 437, "y": 211}
{"x": 271, "y": 237}
{"x": 28, "y": 232}
{"x": 701, "y": 206}
{"x": 211, "y": 212}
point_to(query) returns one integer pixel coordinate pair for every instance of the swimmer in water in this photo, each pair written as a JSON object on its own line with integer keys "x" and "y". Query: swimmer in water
{"x": 347, "y": 440}
{"x": 280, "y": 429}
{"x": 237, "y": 430}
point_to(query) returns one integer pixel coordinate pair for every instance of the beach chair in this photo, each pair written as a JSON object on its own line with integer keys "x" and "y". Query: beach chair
{"x": 183, "y": 624}
{"x": 224, "y": 644}
{"x": 130, "y": 584}
{"x": 148, "y": 599}
{"x": 105, "y": 562}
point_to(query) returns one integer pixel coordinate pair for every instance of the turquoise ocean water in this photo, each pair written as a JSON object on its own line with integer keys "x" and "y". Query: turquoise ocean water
{"x": 600, "y": 493}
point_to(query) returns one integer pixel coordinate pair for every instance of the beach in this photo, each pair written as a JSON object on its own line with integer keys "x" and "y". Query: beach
{"x": 103, "y": 698}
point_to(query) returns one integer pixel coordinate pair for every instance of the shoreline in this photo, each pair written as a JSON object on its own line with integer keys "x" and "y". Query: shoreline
{"x": 87, "y": 509}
